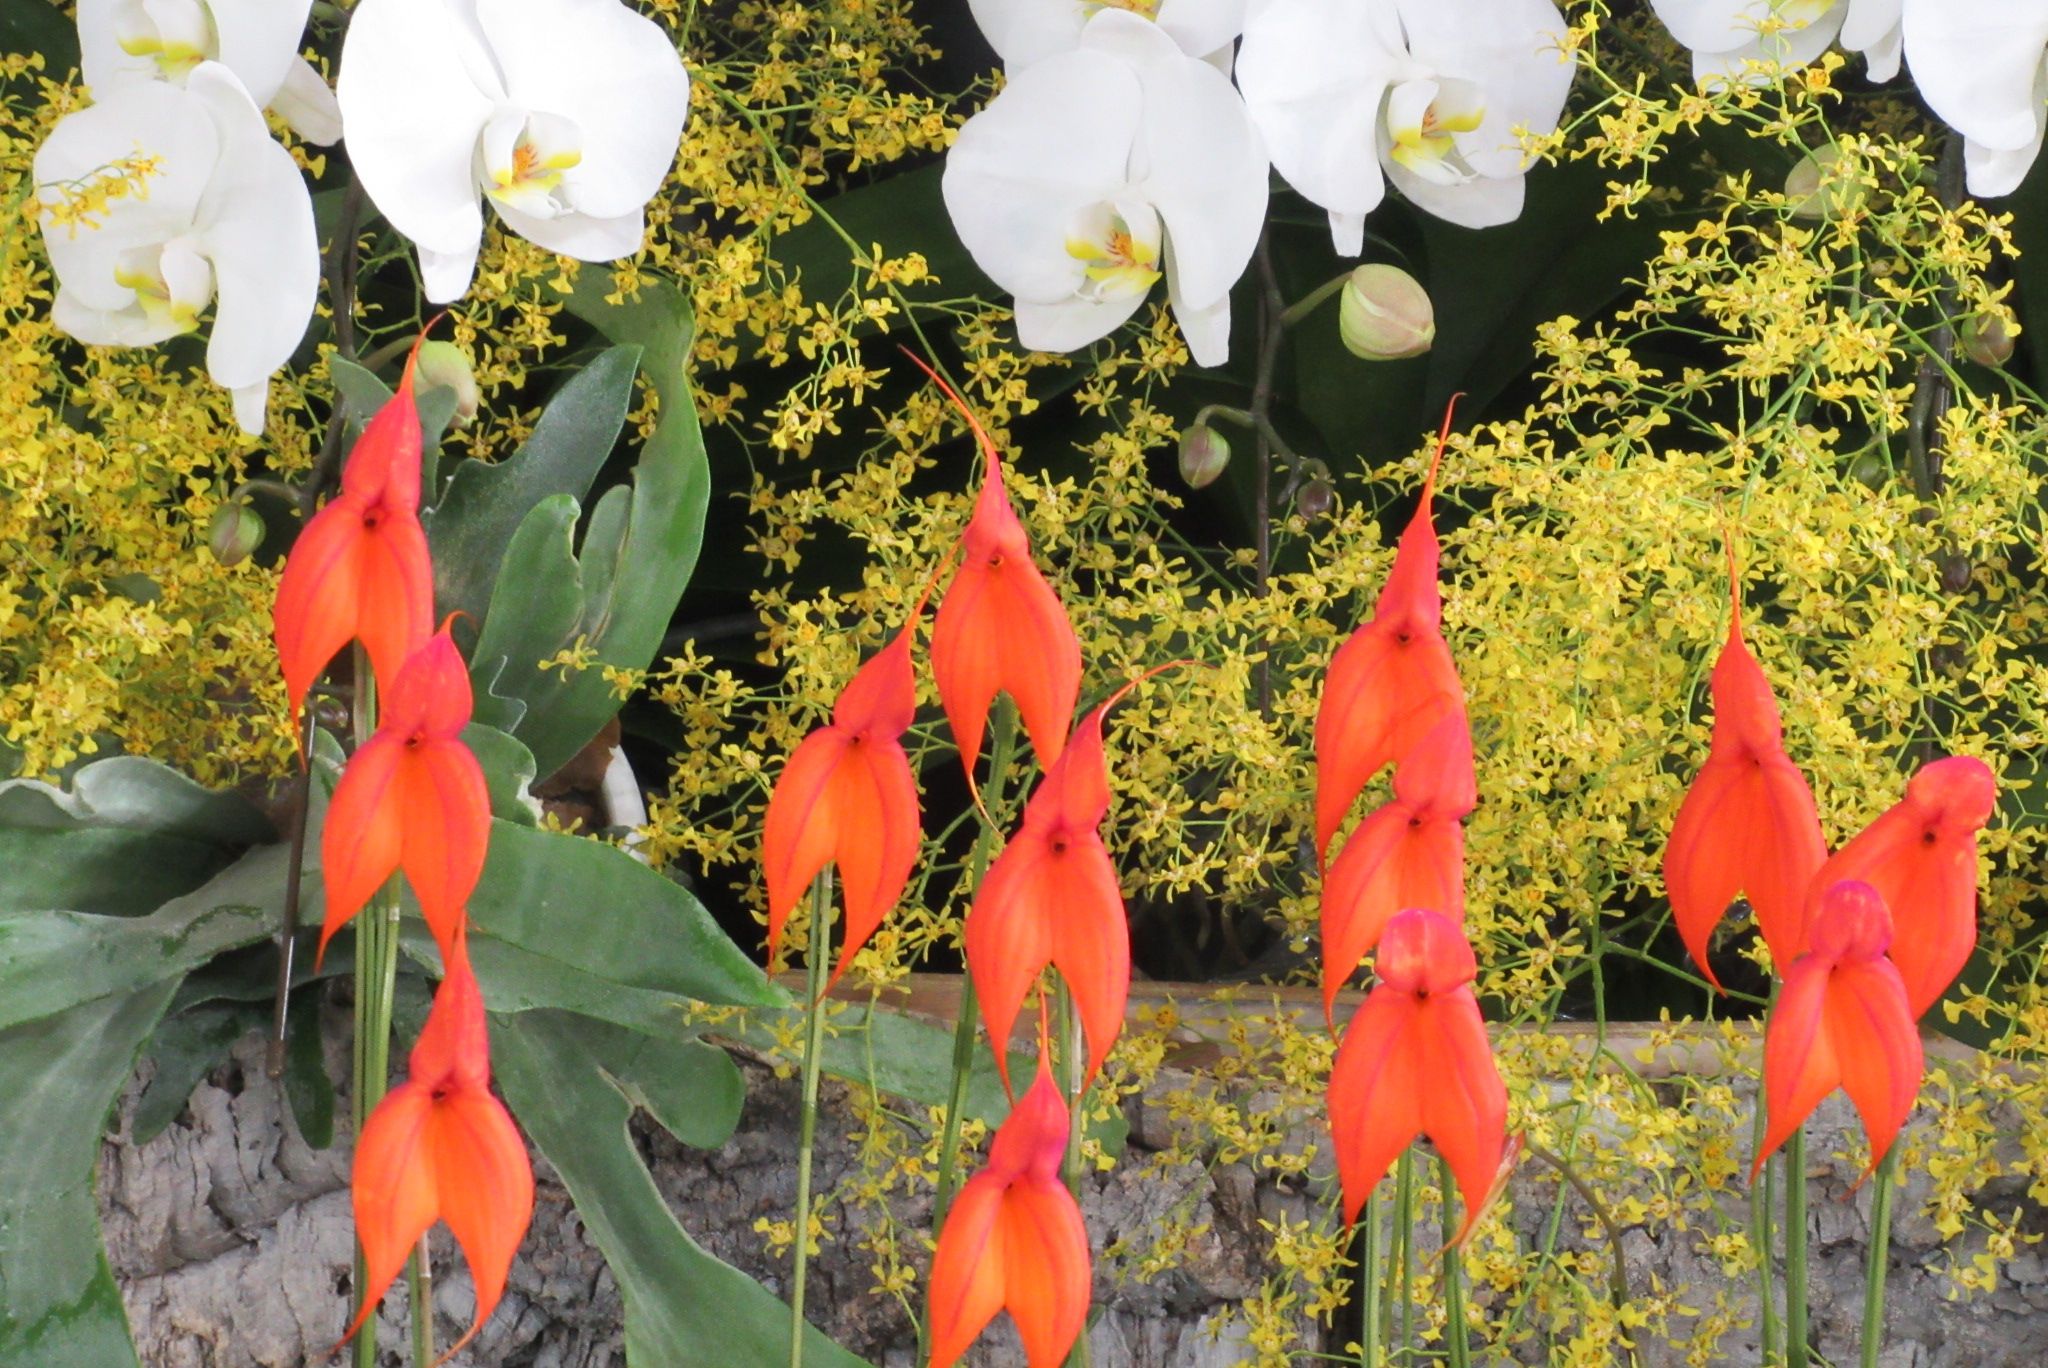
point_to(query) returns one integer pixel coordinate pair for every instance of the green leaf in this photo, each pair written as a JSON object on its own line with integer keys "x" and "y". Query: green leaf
{"x": 508, "y": 773}
{"x": 37, "y": 26}
{"x": 184, "y": 1050}
{"x": 59, "y": 1307}
{"x": 902, "y": 214}
{"x": 693, "y": 1089}
{"x": 306, "y": 1084}
{"x": 615, "y": 599}
{"x": 485, "y": 502}
{"x": 567, "y": 922}
{"x": 682, "y": 1304}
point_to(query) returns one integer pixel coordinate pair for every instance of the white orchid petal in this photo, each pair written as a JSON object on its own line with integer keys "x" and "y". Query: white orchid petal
{"x": 153, "y": 119}
{"x": 1712, "y": 25}
{"x": 1054, "y": 142}
{"x": 1976, "y": 63}
{"x": 1872, "y": 27}
{"x": 1993, "y": 171}
{"x": 1509, "y": 51}
{"x": 259, "y": 41}
{"x": 106, "y": 29}
{"x": 1205, "y": 327}
{"x": 1347, "y": 231}
{"x": 1313, "y": 75}
{"x": 583, "y": 236}
{"x": 97, "y": 327}
{"x": 1202, "y": 27}
{"x": 412, "y": 117}
{"x": 1024, "y": 32}
{"x": 251, "y": 401}
{"x": 445, "y": 276}
{"x": 1071, "y": 323}
{"x": 610, "y": 71}
{"x": 1787, "y": 50}
{"x": 1481, "y": 202}
{"x": 307, "y": 103}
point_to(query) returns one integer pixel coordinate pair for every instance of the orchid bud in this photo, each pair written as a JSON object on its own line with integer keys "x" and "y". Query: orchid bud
{"x": 1821, "y": 187}
{"x": 1986, "y": 340}
{"x": 1204, "y": 453}
{"x": 1385, "y": 314}
{"x": 234, "y": 532}
{"x": 446, "y": 365}
{"x": 1315, "y": 499}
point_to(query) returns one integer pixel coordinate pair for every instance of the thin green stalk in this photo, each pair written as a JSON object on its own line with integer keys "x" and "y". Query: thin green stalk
{"x": 1455, "y": 1334}
{"x": 1073, "y": 1068}
{"x": 1005, "y": 730}
{"x": 1763, "y": 1209}
{"x": 1795, "y": 1250}
{"x": 1369, "y": 1282}
{"x": 1879, "y": 1257}
{"x": 419, "y": 1288}
{"x": 1404, "y": 1217}
{"x": 1308, "y": 303}
{"x": 814, "y": 1044}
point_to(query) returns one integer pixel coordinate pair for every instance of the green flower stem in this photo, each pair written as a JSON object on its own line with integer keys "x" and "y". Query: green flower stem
{"x": 1763, "y": 1206}
{"x": 985, "y": 842}
{"x": 1795, "y": 1250}
{"x": 1456, "y": 1336}
{"x": 1369, "y": 1282}
{"x": 1879, "y": 1257}
{"x": 1404, "y": 1217}
{"x": 1073, "y": 1067}
{"x": 419, "y": 1289}
{"x": 1306, "y": 305}
{"x": 814, "y": 1048}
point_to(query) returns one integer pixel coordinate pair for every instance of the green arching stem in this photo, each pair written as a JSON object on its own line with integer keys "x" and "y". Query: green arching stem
{"x": 814, "y": 1045}
{"x": 1879, "y": 1257}
{"x": 1306, "y": 305}
{"x": 1404, "y": 1217}
{"x": 1369, "y": 1281}
{"x": 1455, "y": 1334}
{"x": 1795, "y": 1250}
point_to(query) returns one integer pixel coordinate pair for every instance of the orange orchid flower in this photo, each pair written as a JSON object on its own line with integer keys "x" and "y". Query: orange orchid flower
{"x": 1409, "y": 853}
{"x": 1415, "y": 1061}
{"x": 1000, "y": 627}
{"x": 441, "y": 1146}
{"x": 360, "y": 570}
{"x": 847, "y": 796}
{"x": 1014, "y": 1240}
{"x": 1393, "y": 681}
{"x": 1921, "y": 857}
{"x": 413, "y": 797}
{"x": 1843, "y": 1021}
{"x": 1051, "y": 897}
{"x": 1748, "y": 823}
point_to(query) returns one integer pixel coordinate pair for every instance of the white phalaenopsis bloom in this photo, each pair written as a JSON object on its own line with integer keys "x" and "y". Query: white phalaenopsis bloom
{"x": 1726, "y": 35}
{"x": 1979, "y": 65}
{"x": 222, "y": 218}
{"x": 1437, "y": 94}
{"x": 121, "y": 42}
{"x": 1099, "y": 169}
{"x": 1025, "y": 31}
{"x": 565, "y": 113}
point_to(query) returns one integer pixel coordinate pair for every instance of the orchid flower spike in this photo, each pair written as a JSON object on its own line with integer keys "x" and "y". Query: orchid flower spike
{"x": 1727, "y": 36}
{"x": 565, "y": 114}
{"x": 1098, "y": 170}
{"x": 1431, "y": 94}
{"x": 122, "y": 42}
{"x": 1980, "y": 65}
{"x": 220, "y": 217}
{"x": 1024, "y": 31}
{"x": 1842, "y": 1021}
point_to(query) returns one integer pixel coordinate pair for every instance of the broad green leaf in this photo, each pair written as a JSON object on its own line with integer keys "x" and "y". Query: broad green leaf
{"x": 693, "y": 1089}
{"x": 59, "y": 1074}
{"x": 508, "y": 773}
{"x": 614, "y": 598}
{"x": 683, "y": 1306}
{"x": 183, "y": 1050}
{"x": 306, "y": 1084}
{"x": 486, "y": 501}
{"x": 567, "y": 922}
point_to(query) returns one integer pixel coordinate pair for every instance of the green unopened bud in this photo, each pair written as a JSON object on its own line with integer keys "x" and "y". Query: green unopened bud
{"x": 1822, "y": 187}
{"x": 1385, "y": 314}
{"x": 234, "y": 532}
{"x": 445, "y": 364}
{"x": 1203, "y": 455}
{"x": 1986, "y": 339}
{"x": 1315, "y": 499}
{"x": 1871, "y": 471}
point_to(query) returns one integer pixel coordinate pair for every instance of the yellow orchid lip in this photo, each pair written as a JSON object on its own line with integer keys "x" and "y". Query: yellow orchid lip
{"x": 1121, "y": 264}
{"x": 153, "y": 295}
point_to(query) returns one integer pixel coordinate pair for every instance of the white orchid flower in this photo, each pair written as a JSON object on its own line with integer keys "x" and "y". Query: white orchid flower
{"x": 1100, "y": 169}
{"x": 1435, "y": 94}
{"x": 1025, "y": 31}
{"x": 121, "y": 42}
{"x": 1726, "y": 35}
{"x": 1979, "y": 65}
{"x": 223, "y": 218}
{"x": 566, "y": 114}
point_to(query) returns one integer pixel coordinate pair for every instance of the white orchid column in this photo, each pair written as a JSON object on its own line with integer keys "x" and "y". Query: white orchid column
{"x": 1979, "y": 65}
{"x": 565, "y": 114}
{"x": 1098, "y": 170}
{"x": 225, "y": 220}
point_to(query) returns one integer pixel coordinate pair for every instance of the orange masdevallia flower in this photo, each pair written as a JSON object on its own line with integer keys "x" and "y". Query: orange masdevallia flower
{"x": 1748, "y": 823}
{"x": 1408, "y": 853}
{"x": 1415, "y": 1061}
{"x": 1842, "y": 1021}
{"x": 412, "y": 798}
{"x": 441, "y": 1146}
{"x": 359, "y": 570}
{"x": 1921, "y": 857}
{"x": 1392, "y": 681}
{"x": 1014, "y": 1240}
{"x": 846, "y": 796}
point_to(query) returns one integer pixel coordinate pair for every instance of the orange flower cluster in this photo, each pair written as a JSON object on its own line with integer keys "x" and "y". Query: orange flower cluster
{"x": 1867, "y": 939}
{"x": 1415, "y": 1058}
{"x": 441, "y": 1145}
